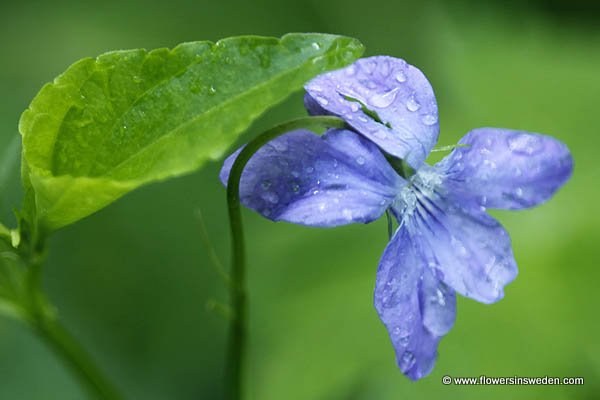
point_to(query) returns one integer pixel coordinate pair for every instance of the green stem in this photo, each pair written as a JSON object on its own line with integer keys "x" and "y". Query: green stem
{"x": 74, "y": 357}
{"x": 237, "y": 330}
{"x": 44, "y": 322}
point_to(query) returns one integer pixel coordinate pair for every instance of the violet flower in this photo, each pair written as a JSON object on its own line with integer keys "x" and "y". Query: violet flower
{"x": 445, "y": 242}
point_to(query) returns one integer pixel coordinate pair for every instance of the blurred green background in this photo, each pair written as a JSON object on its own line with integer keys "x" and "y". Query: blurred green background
{"x": 132, "y": 281}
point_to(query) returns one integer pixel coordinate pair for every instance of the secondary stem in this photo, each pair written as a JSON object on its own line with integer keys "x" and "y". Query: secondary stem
{"x": 237, "y": 330}
{"x": 75, "y": 358}
{"x": 44, "y": 322}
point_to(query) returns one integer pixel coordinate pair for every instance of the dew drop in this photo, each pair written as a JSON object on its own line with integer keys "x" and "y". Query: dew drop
{"x": 519, "y": 192}
{"x": 354, "y": 107}
{"x": 429, "y": 119}
{"x": 403, "y": 341}
{"x": 316, "y": 46}
{"x": 384, "y": 100}
{"x": 279, "y": 145}
{"x": 347, "y": 213}
{"x": 212, "y": 90}
{"x": 270, "y": 197}
{"x": 412, "y": 104}
{"x": 369, "y": 66}
{"x": 440, "y": 298}
{"x": 401, "y": 76}
{"x": 384, "y": 68}
{"x": 407, "y": 361}
{"x": 351, "y": 70}
{"x": 380, "y": 134}
{"x": 295, "y": 188}
{"x": 335, "y": 163}
{"x": 360, "y": 160}
{"x": 525, "y": 144}
{"x": 137, "y": 79}
{"x": 295, "y": 174}
{"x": 195, "y": 87}
{"x": 322, "y": 100}
{"x": 309, "y": 170}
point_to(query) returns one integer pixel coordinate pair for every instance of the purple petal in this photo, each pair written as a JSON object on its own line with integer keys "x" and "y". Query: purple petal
{"x": 303, "y": 178}
{"x": 398, "y": 92}
{"x": 403, "y": 291}
{"x": 508, "y": 169}
{"x": 470, "y": 250}
{"x": 438, "y": 303}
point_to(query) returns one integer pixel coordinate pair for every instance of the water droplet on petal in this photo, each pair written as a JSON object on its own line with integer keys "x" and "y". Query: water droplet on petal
{"x": 525, "y": 143}
{"x": 384, "y": 100}
{"x": 354, "y": 107}
{"x": 351, "y": 70}
{"x": 401, "y": 76}
{"x": 440, "y": 298}
{"x": 407, "y": 361}
{"x": 347, "y": 213}
{"x": 519, "y": 192}
{"x": 270, "y": 197}
{"x": 368, "y": 66}
{"x": 379, "y": 133}
{"x": 412, "y": 104}
{"x": 295, "y": 188}
{"x": 309, "y": 170}
{"x": 384, "y": 68}
{"x": 279, "y": 145}
{"x": 322, "y": 100}
{"x": 360, "y": 160}
{"x": 403, "y": 341}
{"x": 429, "y": 119}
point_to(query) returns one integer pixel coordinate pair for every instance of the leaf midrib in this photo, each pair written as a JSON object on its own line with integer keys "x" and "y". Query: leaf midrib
{"x": 204, "y": 114}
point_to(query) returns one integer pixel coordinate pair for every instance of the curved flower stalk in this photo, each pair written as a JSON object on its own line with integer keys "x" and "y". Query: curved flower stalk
{"x": 446, "y": 243}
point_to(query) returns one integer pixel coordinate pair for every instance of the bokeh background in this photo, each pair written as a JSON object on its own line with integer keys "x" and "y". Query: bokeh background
{"x": 132, "y": 281}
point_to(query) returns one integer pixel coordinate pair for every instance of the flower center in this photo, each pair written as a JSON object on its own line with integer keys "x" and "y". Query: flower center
{"x": 422, "y": 185}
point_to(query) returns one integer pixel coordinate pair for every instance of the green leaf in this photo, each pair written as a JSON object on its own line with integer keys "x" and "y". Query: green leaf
{"x": 127, "y": 118}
